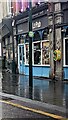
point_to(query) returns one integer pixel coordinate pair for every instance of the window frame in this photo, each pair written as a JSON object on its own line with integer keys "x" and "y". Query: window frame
{"x": 39, "y": 41}
{"x": 41, "y": 53}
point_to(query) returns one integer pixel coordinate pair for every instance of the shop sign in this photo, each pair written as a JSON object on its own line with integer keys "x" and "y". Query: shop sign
{"x": 36, "y": 25}
{"x": 20, "y": 30}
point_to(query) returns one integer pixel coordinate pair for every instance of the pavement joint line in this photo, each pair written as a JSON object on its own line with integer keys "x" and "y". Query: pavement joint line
{"x": 33, "y": 110}
{"x": 44, "y": 105}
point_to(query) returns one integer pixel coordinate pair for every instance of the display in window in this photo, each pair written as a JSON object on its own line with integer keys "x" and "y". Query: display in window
{"x": 21, "y": 40}
{"x": 37, "y": 53}
{"x": 6, "y": 54}
{"x": 44, "y": 37}
{"x": 45, "y": 52}
{"x": 11, "y": 54}
{"x": 27, "y": 53}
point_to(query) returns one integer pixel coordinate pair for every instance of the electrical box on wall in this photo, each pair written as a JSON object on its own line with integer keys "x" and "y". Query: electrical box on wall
{"x": 57, "y": 55}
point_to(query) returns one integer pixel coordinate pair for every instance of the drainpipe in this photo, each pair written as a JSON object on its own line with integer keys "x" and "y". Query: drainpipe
{"x": 54, "y": 40}
{"x": 13, "y": 61}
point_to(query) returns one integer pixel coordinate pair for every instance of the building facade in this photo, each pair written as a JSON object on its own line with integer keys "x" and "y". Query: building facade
{"x": 50, "y": 27}
{"x": 58, "y": 36}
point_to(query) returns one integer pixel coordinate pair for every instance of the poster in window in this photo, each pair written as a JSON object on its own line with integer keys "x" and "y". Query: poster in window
{"x": 45, "y": 52}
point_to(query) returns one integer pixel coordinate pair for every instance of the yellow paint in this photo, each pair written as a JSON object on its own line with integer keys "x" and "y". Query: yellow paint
{"x": 34, "y": 110}
{"x": 57, "y": 55}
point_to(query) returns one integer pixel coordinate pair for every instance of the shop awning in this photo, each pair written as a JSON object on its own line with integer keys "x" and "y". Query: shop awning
{"x": 5, "y": 30}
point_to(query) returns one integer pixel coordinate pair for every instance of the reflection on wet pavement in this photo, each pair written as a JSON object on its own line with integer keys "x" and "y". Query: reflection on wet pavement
{"x": 43, "y": 90}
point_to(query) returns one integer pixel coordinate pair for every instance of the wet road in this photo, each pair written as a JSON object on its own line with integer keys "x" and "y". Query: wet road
{"x": 55, "y": 93}
{"x": 9, "y": 111}
{"x": 18, "y": 109}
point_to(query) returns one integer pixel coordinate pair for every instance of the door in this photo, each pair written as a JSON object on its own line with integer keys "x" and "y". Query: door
{"x": 21, "y": 58}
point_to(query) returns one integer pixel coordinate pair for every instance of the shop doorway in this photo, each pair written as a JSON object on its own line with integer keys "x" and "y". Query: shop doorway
{"x": 21, "y": 61}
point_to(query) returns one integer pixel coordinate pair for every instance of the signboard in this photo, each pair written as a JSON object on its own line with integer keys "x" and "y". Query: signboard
{"x": 31, "y": 34}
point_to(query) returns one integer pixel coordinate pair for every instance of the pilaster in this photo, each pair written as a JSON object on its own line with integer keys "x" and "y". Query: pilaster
{"x": 56, "y": 41}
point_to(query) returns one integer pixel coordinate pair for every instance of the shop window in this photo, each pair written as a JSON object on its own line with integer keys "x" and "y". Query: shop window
{"x": 40, "y": 50}
{"x": 10, "y": 39}
{"x": 36, "y": 36}
{"x": 20, "y": 40}
{"x": 44, "y": 36}
{"x": 66, "y": 51}
{"x": 23, "y": 55}
{"x": 9, "y": 53}
{"x": 20, "y": 51}
{"x": 6, "y": 54}
{"x": 6, "y": 41}
{"x": 3, "y": 43}
{"x": 66, "y": 34}
{"x": 19, "y": 37}
{"x": 27, "y": 38}
{"x": 45, "y": 52}
{"x": 27, "y": 53}
{"x": 37, "y": 53}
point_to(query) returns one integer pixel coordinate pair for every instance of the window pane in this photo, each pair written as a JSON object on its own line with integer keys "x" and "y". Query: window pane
{"x": 20, "y": 49}
{"x": 27, "y": 53}
{"x": 6, "y": 54}
{"x": 36, "y": 36}
{"x": 37, "y": 53}
{"x": 20, "y": 57}
{"x": 23, "y": 54}
{"x": 45, "y": 52}
{"x": 27, "y": 38}
{"x": 66, "y": 51}
{"x": 44, "y": 35}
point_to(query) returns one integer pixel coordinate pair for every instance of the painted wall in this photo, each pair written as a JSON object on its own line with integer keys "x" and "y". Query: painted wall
{"x": 66, "y": 73}
{"x": 41, "y": 71}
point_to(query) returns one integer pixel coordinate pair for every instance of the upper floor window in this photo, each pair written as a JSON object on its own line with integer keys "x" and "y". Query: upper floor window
{"x": 57, "y": 7}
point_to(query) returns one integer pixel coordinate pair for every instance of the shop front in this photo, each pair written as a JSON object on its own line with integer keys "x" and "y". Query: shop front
{"x": 40, "y": 47}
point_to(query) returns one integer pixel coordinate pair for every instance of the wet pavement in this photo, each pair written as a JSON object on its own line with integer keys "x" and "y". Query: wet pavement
{"x": 44, "y": 90}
